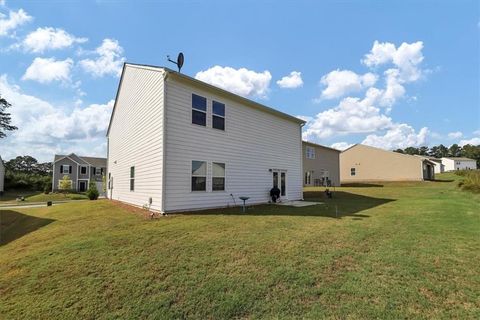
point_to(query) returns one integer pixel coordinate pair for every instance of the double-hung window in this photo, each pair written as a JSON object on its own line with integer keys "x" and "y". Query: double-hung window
{"x": 199, "y": 110}
{"x": 352, "y": 171}
{"x": 310, "y": 152}
{"x": 218, "y": 176}
{"x": 218, "y": 115}
{"x": 132, "y": 178}
{"x": 83, "y": 170}
{"x": 199, "y": 176}
{"x": 65, "y": 168}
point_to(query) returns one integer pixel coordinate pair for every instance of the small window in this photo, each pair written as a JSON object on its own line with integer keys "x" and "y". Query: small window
{"x": 132, "y": 178}
{"x": 83, "y": 170}
{"x": 65, "y": 169}
{"x": 199, "y": 110}
{"x": 199, "y": 176}
{"x": 218, "y": 115}
{"x": 352, "y": 171}
{"x": 218, "y": 176}
{"x": 310, "y": 152}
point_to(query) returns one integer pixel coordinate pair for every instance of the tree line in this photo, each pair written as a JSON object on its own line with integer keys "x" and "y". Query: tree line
{"x": 467, "y": 151}
{"x": 26, "y": 173}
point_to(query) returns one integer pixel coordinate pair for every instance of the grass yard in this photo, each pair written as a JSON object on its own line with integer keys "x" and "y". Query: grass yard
{"x": 37, "y": 196}
{"x": 402, "y": 250}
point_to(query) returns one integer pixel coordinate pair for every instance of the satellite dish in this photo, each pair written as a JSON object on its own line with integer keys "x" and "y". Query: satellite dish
{"x": 179, "y": 62}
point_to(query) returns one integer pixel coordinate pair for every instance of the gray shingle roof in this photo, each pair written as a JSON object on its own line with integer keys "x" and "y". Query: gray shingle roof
{"x": 93, "y": 161}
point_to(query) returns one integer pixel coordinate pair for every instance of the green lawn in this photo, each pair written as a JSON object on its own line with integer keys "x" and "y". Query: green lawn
{"x": 37, "y": 196}
{"x": 403, "y": 250}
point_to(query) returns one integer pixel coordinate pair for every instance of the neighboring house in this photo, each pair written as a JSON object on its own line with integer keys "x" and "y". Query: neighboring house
{"x": 437, "y": 163}
{"x": 321, "y": 165}
{"x": 364, "y": 163}
{"x": 459, "y": 163}
{"x": 176, "y": 143}
{"x": 79, "y": 170}
{"x": 2, "y": 175}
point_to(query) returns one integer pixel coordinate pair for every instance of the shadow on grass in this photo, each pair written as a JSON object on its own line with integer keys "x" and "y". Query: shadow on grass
{"x": 14, "y": 225}
{"x": 362, "y": 185}
{"x": 341, "y": 205}
{"x": 442, "y": 180}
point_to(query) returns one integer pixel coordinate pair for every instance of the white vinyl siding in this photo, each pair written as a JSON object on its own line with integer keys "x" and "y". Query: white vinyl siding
{"x": 255, "y": 142}
{"x": 136, "y": 137}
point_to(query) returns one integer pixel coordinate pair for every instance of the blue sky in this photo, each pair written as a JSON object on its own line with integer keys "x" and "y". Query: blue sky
{"x": 388, "y": 74}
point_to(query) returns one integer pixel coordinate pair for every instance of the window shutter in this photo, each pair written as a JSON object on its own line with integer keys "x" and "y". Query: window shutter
{"x": 94, "y": 170}
{"x": 61, "y": 169}
{"x": 70, "y": 169}
{"x": 101, "y": 171}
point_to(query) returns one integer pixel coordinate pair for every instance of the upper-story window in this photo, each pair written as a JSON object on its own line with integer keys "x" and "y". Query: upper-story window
{"x": 83, "y": 170}
{"x": 65, "y": 168}
{"x": 218, "y": 115}
{"x": 199, "y": 110}
{"x": 310, "y": 152}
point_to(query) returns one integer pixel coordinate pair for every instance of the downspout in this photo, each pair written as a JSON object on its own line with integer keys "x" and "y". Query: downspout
{"x": 164, "y": 142}
{"x": 301, "y": 156}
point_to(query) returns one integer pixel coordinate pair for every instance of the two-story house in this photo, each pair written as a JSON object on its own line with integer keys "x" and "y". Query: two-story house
{"x": 321, "y": 165}
{"x": 176, "y": 143}
{"x": 79, "y": 171}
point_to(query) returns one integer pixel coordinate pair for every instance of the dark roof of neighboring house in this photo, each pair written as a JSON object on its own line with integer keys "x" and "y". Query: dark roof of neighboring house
{"x": 93, "y": 161}
{"x": 208, "y": 86}
{"x": 459, "y": 158}
{"x": 321, "y": 146}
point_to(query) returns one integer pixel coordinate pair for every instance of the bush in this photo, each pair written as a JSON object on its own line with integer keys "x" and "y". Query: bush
{"x": 471, "y": 181}
{"x": 92, "y": 192}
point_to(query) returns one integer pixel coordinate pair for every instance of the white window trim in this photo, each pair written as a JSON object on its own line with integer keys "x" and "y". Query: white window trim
{"x": 130, "y": 179}
{"x": 199, "y": 110}
{"x": 310, "y": 155}
{"x": 224, "y": 177}
{"x": 217, "y": 115}
{"x": 71, "y": 184}
{"x": 206, "y": 175}
{"x": 63, "y": 168}
{"x": 81, "y": 167}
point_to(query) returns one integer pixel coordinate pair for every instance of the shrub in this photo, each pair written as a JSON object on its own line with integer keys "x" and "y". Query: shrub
{"x": 471, "y": 181}
{"x": 92, "y": 192}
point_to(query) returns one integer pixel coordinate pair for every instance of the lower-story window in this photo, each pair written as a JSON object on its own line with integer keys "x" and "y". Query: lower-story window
{"x": 352, "y": 171}
{"x": 199, "y": 176}
{"x": 132, "y": 178}
{"x": 218, "y": 176}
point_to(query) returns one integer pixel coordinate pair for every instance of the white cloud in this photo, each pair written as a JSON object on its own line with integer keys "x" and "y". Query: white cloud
{"x": 2, "y": 2}
{"x": 44, "y": 39}
{"x": 406, "y": 58}
{"x": 109, "y": 59}
{"x": 352, "y": 115}
{"x": 455, "y": 135}
{"x": 341, "y": 145}
{"x": 293, "y": 80}
{"x": 13, "y": 21}
{"x": 341, "y": 82}
{"x": 473, "y": 141}
{"x": 398, "y": 136}
{"x": 241, "y": 81}
{"x": 45, "y": 70}
{"x": 49, "y": 129}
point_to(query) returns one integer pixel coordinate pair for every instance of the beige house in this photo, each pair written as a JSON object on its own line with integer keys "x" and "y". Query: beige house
{"x": 364, "y": 163}
{"x": 2, "y": 175}
{"x": 321, "y": 165}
